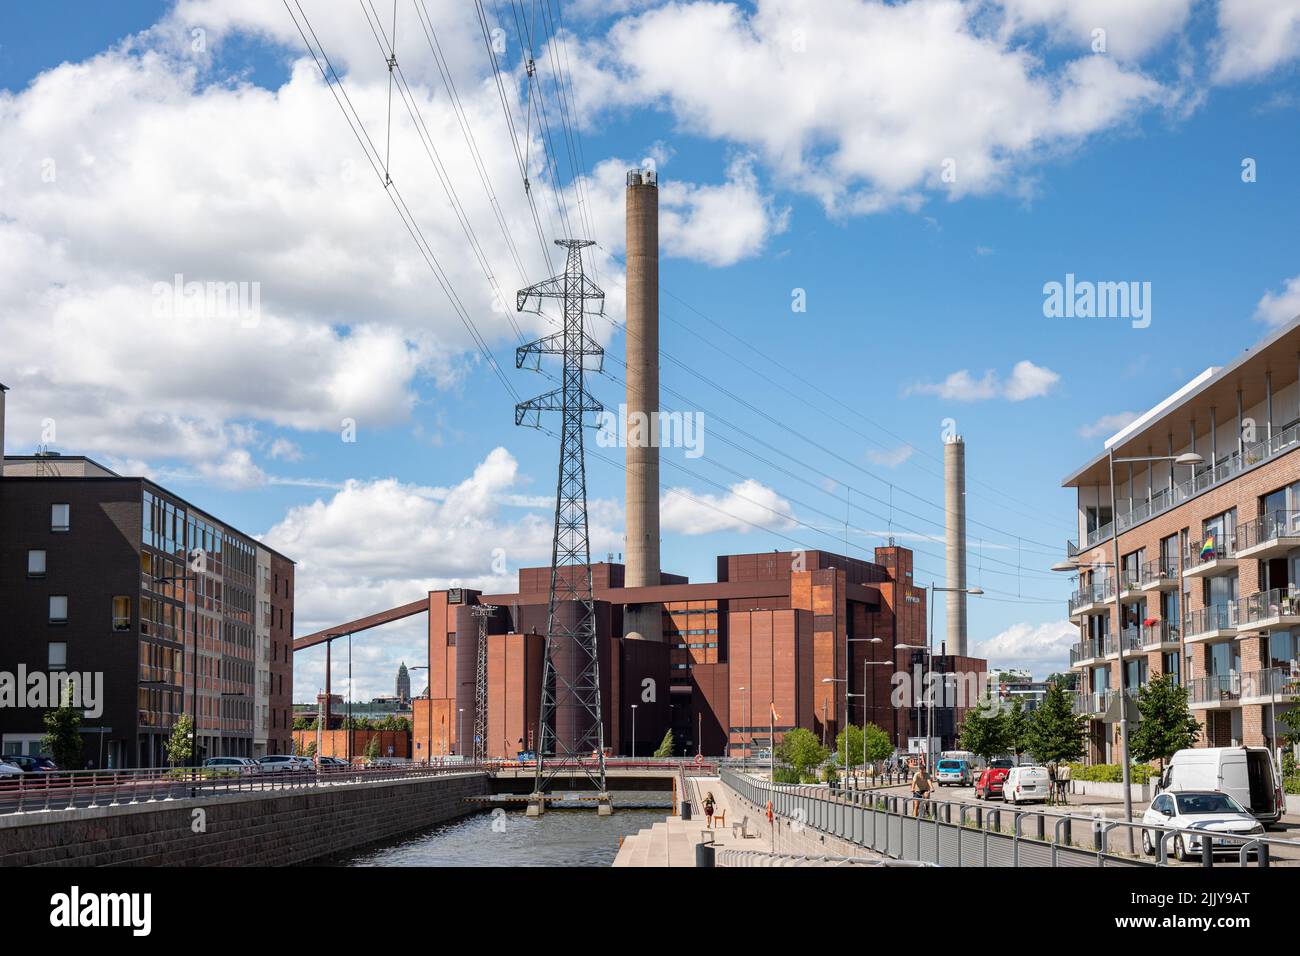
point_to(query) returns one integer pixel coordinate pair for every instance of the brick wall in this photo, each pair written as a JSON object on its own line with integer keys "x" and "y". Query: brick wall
{"x": 244, "y": 829}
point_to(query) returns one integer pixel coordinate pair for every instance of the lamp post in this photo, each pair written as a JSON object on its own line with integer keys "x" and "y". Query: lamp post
{"x": 1193, "y": 459}
{"x": 848, "y": 718}
{"x": 744, "y": 743}
{"x": 634, "y": 731}
{"x": 929, "y": 725}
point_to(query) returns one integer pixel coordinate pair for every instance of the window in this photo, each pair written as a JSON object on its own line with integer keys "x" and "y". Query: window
{"x": 58, "y": 656}
{"x": 36, "y": 564}
{"x": 121, "y": 614}
{"x": 58, "y": 608}
{"x": 60, "y": 517}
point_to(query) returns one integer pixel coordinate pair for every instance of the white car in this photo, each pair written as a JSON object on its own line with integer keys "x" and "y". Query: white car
{"x": 1026, "y": 784}
{"x": 1206, "y": 810}
{"x": 9, "y": 770}
{"x": 280, "y": 763}
{"x": 234, "y": 765}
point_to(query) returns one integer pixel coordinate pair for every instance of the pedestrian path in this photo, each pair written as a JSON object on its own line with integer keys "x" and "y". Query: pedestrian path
{"x": 672, "y": 842}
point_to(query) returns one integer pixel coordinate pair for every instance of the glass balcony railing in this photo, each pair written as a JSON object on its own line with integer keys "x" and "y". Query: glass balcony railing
{"x": 1274, "y": 683}
{"x": 1283, "y": 440}
{"x": 1214, "y": 689}
{"x": 1269, "y": 526}
{"x": 1161, "y": 632}
{"x": 1092, "y": 594}
{"x": 1090, "y": 703}
{"x": 1206, "y": 620}
{"x": 1085, "y": 650}
{"x": 1268, "y": 605}
{"x": 1161, "y": 569}
{"x": 1214, "y": 547}
{"x": 1130, "y": 639}
{"x": 1129, "y": 579}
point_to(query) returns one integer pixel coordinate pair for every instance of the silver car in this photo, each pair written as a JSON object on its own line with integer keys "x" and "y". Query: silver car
{"x": 1206, "y": 811}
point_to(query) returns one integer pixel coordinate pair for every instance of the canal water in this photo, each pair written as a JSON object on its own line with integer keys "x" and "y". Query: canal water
{"x": 560, "y": 837}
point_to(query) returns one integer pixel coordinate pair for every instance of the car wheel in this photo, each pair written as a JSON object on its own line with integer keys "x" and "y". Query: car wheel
{"x": 1180, "y": 848}
{"x": 1147, "y": 847}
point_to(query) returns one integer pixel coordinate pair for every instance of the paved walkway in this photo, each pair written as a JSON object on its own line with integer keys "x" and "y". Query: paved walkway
{"x": 672, "y": 842}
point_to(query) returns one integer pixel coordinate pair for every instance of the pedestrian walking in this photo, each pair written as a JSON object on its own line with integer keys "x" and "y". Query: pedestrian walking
{"x": 708, "y": 810}
{"x": 1051, "y": 782}
{"x": 920, "y": 788}
{"x": 1063, "y": 782}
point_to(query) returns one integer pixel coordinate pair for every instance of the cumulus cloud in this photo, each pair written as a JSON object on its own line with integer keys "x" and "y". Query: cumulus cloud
{"x": 1131, "y": 29}
{"x": 1042, "y": 649}
{"x": 748, "y": 504}
{"x": 1277, "y": 308}
{"x": 865, "y": 105}
{"x": 1255, "y": 38}
{"x": 1025, "y": 381}
{"x": 1107, "y": 425}
{"x": 890, "y": 457}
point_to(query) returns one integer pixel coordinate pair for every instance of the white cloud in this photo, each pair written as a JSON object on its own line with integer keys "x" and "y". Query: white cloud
{"x": 890, "y": 457}
{"x": 1131, "y": 29}
{"x": 1042, "y": 649}
{"x": 1107, "y": 425}
{"x": 1277, "y": 308}
{"x": 747, "y": 504}
{"x": 1255, "y": 38}
{"x": 1026, "y": 381}
{"x": 863, "y": 104}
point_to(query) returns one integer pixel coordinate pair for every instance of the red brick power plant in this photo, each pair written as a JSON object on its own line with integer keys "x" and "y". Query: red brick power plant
{"x": 767, "y": 646}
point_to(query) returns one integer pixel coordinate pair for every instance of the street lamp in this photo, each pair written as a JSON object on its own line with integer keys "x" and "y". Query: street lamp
{"x": 744, "y": 743}
{"x": 1189, "y": 458}
{"x": 929, "y": 726}
{"x": 634, "y": 731}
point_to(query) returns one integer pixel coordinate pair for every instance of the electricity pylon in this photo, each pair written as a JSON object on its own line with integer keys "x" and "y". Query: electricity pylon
{"x": 482, "y": 612}
{"x": 570, "y": 728}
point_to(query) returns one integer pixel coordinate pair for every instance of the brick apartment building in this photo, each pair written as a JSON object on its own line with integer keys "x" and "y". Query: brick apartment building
{"x": 1209, "y": 566}
{"x": 767, "y": 634}
{"x": 116, "y": 575}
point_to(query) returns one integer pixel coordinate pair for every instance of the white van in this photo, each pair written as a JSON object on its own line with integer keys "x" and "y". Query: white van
{"x": 1247, "y": 774}
{"x": 1026, "y": 784}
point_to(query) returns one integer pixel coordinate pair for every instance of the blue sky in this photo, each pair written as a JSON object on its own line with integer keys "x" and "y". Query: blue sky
{"x": 796, "y": 152}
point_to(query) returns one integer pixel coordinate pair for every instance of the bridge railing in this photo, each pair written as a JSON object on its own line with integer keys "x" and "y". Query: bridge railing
{"x": 950, "y": 833}
{"x": 757, "y": 858}
{"x": 63, "y": 789}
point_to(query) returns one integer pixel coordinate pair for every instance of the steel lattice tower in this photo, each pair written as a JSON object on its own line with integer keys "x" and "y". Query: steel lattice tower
{"x": 570, "y": 727}
{"x": 482, "y": 612}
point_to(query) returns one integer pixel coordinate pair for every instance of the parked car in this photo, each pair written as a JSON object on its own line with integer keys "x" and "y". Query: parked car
{"x": 280, "y": 763}
{"x": 1026, "y": 785}
{"x": 950, "y": 772}
{"x": 306, "y": 763}
{"x": 1001, "y": 763}
{"x": 29, "y": 764}
{"x": 8, "y": 770}
{"x": 332, "y": 763}
{"x": 989, "y": 785}
{"x": 237, "y": 765}
{"x": 1208, "y": 810}
{"x": 1247, "y": 774}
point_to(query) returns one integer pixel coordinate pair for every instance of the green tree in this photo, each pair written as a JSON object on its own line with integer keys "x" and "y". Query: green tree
{"x": 1167, "y": 724}
{"x": 1290, "y": 719}
{"x": 310, "y": 750}
{"x": 62, "y": 740}
{"x": 984, "y": 729}
{"x": 1016, "y": 726}
{"x": 1055, "y": 733}
{"x": 372, "y": 748}
{"x": 180, "y": 745}
{"x": 877, "y": 743}
{"x": 665, "y": 745}
{"x": 855, "y": 742}
{"x": 802, "y": 752}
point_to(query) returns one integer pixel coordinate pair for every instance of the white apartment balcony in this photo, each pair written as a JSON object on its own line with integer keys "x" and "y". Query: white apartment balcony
{"x": 1092, "y": 599}
{"x": 1130, "y": 585}
{"x": 1276, "y": 684}
{"x": 1211, "y": 556}
{"x": 1090, "y": 704}
{"x": 1215, "y": 692}
{"x": 1271, "y": 535}
{"x": 1208, "y": 625}
{"x": 1162, "y": 636}
{"x": 1268, "y": 610}
{"x": 1159, "y": 575}
{"x": 1086, "y": 652}
{"x": 1130, "y": 640}
{"x": 1283, "y": 441}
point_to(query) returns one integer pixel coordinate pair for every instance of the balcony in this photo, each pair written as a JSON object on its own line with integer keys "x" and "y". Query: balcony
{"x": 1159, "y": 575}
{"x": 1215, "y": 691}
{"x": 1267, "y": 610}
{"x": 1090, "y": 704}
{"x": 1162, "y": 636}
{"x": 1130, "y": 584}
{"x": 1130, "y": 640}
{"x": 1092, "y": 598}
{"x": 1211, "y": 556}
{"x": 1283, "y": 441}
{"x": 1086, "y": 652}
{"x": 1218, "y": 622}
{"x": 1271, "y": 535}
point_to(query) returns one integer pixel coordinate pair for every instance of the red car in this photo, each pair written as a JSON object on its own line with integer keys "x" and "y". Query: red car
{"x": 989, "y": 785}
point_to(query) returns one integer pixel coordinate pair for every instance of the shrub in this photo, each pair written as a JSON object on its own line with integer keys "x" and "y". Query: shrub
{"x": 1112, "y": 772}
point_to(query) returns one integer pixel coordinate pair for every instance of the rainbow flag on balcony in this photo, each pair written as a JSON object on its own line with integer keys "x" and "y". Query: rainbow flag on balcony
{"x": 1207, "y": 547}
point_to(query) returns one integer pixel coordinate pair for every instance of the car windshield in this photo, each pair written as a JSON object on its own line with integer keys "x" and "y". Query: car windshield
{"x": 949, "y": 765}
{"x": 1207, "y": 803}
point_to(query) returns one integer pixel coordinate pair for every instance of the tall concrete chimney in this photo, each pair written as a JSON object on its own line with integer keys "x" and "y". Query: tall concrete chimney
{"x": 2, "y": 430}
{"x": 954, "y": 484}
{"x": 642, "y": 622}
